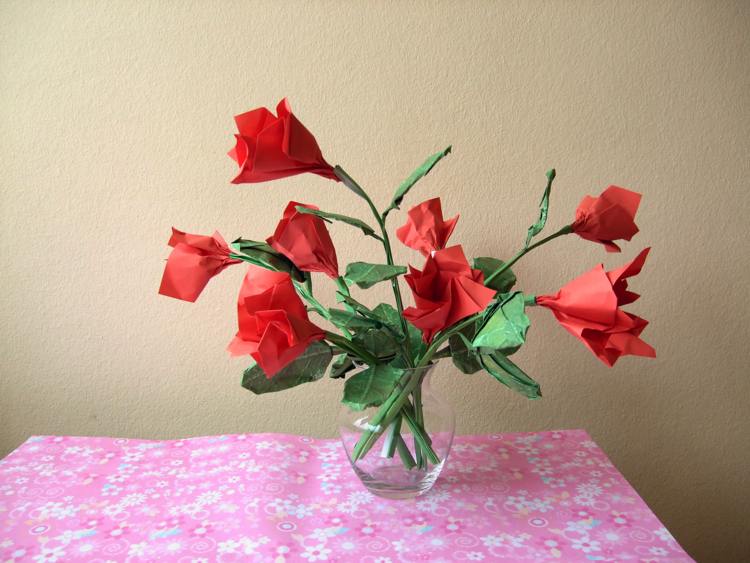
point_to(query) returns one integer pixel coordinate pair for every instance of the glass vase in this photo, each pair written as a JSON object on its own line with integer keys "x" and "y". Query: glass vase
{"x": 399, "y": 448}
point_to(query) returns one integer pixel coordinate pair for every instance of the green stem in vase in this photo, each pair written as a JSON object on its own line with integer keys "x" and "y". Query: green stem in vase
{"x": 394, "y": 430}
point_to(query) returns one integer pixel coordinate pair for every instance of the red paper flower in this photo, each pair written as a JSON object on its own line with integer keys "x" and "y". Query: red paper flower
{"x": 194, "y": 260}
{"x": 446, "y": 291}
{"x": 608, "y": 217}
{"x": 425, "y": 230}
{"x": 304, "y": 239}
{"x": 270, "y": 147}
{"x": 589, "y": 308}
{"x": 273, "y": 325}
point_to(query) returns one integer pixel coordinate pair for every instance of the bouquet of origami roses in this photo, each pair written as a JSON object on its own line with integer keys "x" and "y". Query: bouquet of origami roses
{"x": 471, "y": 312}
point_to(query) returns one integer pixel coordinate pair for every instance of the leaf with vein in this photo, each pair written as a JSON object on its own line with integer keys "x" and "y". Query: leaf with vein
{"x": 413, "y": 178}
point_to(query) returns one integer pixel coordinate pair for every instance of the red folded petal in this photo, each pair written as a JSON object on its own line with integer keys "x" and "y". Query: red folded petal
{"x": 304, "y": 239}
{"x": 273, "y": 324}
{"x": 425, "y": 229}
{"x": 609, "y": 217}
{"x": 271, "y": 147}
{"x": 446, "y": 291}
{"x": 588, "y": 308}
{"x": 194, "y": 260}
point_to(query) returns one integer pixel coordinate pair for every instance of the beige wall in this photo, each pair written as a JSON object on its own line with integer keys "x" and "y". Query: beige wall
{"x": 115, "y": 120}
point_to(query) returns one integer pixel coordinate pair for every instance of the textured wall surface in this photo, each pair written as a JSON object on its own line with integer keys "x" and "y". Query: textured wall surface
{"x": 115, "y": 120}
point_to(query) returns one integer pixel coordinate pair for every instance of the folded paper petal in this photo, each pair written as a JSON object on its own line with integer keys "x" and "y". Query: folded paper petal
{"x": 270, "y": 147}
{"x": 273, "y": 324}
{"x": 193, "y": 262}
{"x": 446, "y": 291}
{"x": 609, "y": 217}
{"x": 304, "y": 239}
{"x": 425, "y": 229}
{"x": 589, "y": 308}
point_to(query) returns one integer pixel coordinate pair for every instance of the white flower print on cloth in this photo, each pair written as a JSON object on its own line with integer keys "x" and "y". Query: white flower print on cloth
{"x": 546, "y": 496}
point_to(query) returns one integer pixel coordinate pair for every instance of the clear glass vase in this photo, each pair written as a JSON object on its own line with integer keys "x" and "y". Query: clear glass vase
{"x": 398, "y": 449}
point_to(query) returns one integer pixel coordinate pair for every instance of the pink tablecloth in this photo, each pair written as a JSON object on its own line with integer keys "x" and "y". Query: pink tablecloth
{"x": 546, "y": 496}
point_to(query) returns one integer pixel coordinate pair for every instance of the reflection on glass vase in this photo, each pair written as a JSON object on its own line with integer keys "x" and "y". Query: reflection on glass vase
{"x": 399, "y": 448}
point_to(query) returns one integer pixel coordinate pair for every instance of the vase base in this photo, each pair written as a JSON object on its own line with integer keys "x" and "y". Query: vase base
{"x": 398, "y": 483}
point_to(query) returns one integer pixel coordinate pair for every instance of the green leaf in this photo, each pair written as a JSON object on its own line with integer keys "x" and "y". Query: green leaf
{"x": 310, "y": 366}
{"x": 502, "y": 283}
{"x": 510, "y": 375}
{"x": 366, "y": 275}
{"x": 355, "y": 305}
{"x": 352, "y": 321}
{"x": 390, "y": 317}
{"x": 370, "y": 387}
{"x": 379, "y": 342}
{"x": 464, "y": 357}
{"x": 263, "y": 255}
{"x": 341, "y": 365}
{"x": 415, "y": 176}
{"x": 504, "y": 326}
{"x": 537, "y": 227}
{"x": 366, "y": 229}
{"x": 349, "y": 182}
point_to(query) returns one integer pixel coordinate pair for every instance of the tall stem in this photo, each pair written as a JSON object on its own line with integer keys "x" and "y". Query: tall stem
{"x": 348, "y": 180}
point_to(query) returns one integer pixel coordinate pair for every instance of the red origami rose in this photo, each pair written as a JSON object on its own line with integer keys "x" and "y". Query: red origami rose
{"x": 270, "y": 147}
{"x": 589, "y": 308}
{"x": 446, "y": 291}
{"x": 194, "y": 260}
{"x": 273, "y": 325}
{"x": 425, "y": 230}
{"x": 608, "y": 217}
{"x": 304, "y": 239}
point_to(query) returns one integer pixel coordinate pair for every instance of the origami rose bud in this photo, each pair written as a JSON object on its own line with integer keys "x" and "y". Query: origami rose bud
{"x": 270, "y": 147}
{"x": 304, "y": 239}
{"x": 194, "y": 260}
{"x": 273, "y": 324}
{"x": 446, "y": 291}
{"x": 608, "y": 217}
{"x": 425, "y": 230}
{"x": 589, "y": 308}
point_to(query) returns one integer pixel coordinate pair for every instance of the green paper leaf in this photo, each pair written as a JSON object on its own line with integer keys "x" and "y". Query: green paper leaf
{"x": 370, "y": 387}
{"x": 263, "y": 255}
{"x": 366, "y": 275}
{"x": 355, "y": 305}
{"x": 504, "y": 326}
{"x": 341, "y": 365}
{"x": 510, "y": 375}
{"x": 537, "y": 227}
{"x": 379, "y": 342}
{"x": 366, "y": 229}
{"x": 502, "y": 283}
{"x": 310, "y": 366}
{"x": 352, "y": 321}
{"x": 349, "y": 182}
{"x": 390, "y": 317}
{"x": 415, "y": 176}
{"x": 464, "y": 357}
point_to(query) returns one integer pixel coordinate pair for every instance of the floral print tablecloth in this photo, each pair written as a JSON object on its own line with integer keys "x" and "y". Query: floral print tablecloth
{"x": 545, "y": 496}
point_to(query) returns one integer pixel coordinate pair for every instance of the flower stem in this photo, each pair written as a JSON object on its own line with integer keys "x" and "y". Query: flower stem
{"x": 302, "y": 289}
{"x": 389, "y": 448}
{"x": 567, "y": 229}
{"x": 344, "y": 177}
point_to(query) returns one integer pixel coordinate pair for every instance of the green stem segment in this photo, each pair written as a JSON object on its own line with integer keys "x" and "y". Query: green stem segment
{"x": 521, "y": 253}
{"x": 344, "y": 177}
